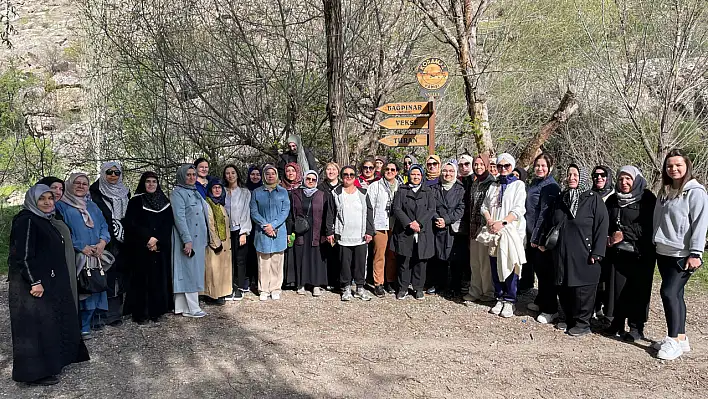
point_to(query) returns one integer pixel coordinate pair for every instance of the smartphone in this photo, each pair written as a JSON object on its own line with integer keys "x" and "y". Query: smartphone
{"x": 681, "y": 265}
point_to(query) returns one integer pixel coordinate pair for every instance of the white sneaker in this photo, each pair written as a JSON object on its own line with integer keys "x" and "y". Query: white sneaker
{"x": 546, "y": 318}
{"x": 301, "y": 291}
{"x": 533, "y": 307}
{"x": 685, "y": 346}
{"x": 670, "y": 350}
{"x": 264, "y": 296}
{"x": 497, "y": 308}
{"x": 275, "y": 296}
{"x": 317, "y": 291}
{"x": 508, "y": 309}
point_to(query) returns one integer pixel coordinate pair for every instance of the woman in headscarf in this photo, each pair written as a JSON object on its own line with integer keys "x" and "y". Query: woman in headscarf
{"x": 112, "y": 196}
{"x": 504, "y": 208}
{"x": 408, "y": 161}
{"x": 540, "y": 199}
{"x": 432, "y": 170}
{"x": 330, "y": 253}
{"x": 308, "y": 204}
{"x": 218, "y": 280}
{"x": 632, "y": 253}
{"x": 481, "y": 287}
{"x": 291, "y": 181}
{"x": 293, "y": 177}
{"x": 148, "y": 249}
{"x": 202, "y": 167}
{"x": 57, "y": 186}
{"x": 270, "y": 206}
{"x": 493, "y": 167}
{"x": 581, "y": 217}
{"x": 45, "y": 335}
{"x": 238, "y": 201}
{"x": 368, "y": 174}
{"x": 603, "y": 185}
{"x": 190, "y": 237}
{"x": 444, "y": 275}
{"x": 460, "y": 254}
{"x": 381, "y": 194}
{"x": 89, "y": 233}
{"x": 255, "y": 179}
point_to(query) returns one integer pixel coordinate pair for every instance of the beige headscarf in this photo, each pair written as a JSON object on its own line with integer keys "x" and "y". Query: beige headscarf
{"x": 77, "y": 202}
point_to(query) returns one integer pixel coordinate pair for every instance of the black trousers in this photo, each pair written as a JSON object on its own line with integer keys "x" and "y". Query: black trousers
{"x": 411, "y": 271}
{"x": 542, "y": 263}
{"x": 353, "y": 262}
{"x": 460, "y": 271}
{"x": 437, "y": 274}
{"x": 602, "y": 298}
{"x": 629, "y": 289}
{"x": 578, "y": 304}
{"x": 251, "y": 263}
{"x": 239, "y": 261}
{"x": 526, "y": 280}
{"x": 673, "y": 282}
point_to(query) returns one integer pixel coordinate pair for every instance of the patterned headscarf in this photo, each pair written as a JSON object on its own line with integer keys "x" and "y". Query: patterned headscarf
{"x": 116, "y": 193}
{"x": 571, "y": 196}
{"x": 638, "y": 186}
{"x": 288, "y": 184}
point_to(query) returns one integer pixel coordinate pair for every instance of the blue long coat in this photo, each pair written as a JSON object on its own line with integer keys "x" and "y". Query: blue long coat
{"x": 189, "y": 210}
{"x": 270, "y": 207}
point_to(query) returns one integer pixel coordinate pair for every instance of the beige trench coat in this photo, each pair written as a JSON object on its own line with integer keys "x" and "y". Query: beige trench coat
{"x": 217, "y": 271}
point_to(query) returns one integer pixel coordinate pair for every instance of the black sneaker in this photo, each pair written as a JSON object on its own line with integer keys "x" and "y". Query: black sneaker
{"x": 634, "y": 335}
{"x": 578, "y": 331}
{"x": 402, "y": 295}
{"x": 237, "y": 295}
{"x": 379, "y": 291}
{"x": 419, "y": 295}
{"x": 431, "y": 291}
{"x": 220, "y": 301}
{"x": 389, "y": 288}
{"x": 46, "y": 381}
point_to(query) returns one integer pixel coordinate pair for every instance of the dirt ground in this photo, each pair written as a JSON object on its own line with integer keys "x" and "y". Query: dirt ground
{"x": 324, "y": 348}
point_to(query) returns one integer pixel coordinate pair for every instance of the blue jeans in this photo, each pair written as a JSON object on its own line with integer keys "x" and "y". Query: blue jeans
{"x": 86, "y": 316}
{"x": 506, "y": 290}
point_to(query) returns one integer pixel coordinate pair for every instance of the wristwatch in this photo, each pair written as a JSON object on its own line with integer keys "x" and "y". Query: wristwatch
{"x": 504, "y": 222}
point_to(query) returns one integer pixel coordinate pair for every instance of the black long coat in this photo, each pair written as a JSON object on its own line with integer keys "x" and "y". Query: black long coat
{"x": 45, "y": 331}
{"x": 449, "y": 205}
{"x": 580, "y": 237}
{"x": 635, "y": 221}
{"x": 150, "y": 273}
{"x": 407, "y": 207}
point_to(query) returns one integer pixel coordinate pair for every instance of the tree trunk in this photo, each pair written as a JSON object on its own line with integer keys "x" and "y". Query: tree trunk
{"x": 567, "y": 107}
{"x": 335, "y": 83}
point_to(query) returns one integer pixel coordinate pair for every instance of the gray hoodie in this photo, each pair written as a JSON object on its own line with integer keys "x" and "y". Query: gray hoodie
{"x": 680, "y": 224}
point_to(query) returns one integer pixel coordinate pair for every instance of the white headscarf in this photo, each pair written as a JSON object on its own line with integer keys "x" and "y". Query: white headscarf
{"x": 310, "y": 191}
{"x": 448, "y": 185}
{"x": 506, "y": 157}
{"x": 468, "y": 158}
{"x": 301, "y": 156}
{"x": 116, "y": 193}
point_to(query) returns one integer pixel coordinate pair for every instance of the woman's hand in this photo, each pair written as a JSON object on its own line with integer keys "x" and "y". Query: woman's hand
{"x": 330, "y": 240}
{"x": 268, "y": 229}
{"x": 542, "y": 248}
{"x": 99, "y": 248}
{"x": 415, "y": 226}
{"x": 88, "y": 251}
{"x": 37, "y": 291}
{"x": 440, "y": 223}
{"x": 692, "y": 264}
{"x": 615, "y": 238}
{"x": 187, "y": 248}
{"x": 242, "y": 240}
{"x": 152, "y": 242}
{"x": 368, "y": 238}
{"x": 496, "y": 227}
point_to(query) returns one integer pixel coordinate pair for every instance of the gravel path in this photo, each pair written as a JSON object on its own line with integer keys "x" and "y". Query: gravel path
{"x": 324, "y": 348}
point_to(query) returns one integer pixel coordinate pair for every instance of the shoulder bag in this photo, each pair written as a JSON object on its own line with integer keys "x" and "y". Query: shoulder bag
{"x": 302, "y": 223}
{"x": 554, "y": 234}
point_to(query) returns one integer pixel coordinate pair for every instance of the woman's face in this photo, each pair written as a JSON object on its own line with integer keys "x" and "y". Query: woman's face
{"x": 332, "y": 173}
{"x": 45, "y": 203}
{"x": 348, "y": 176}
{"x": 407, "y": 164}
{"x": 379, "y": 165}
{"x": 573, "y": 178}
{"x": 479, "y": 167}
{"x": 493, "y": 169}
{"x": 599, "y": 178}
{"x": 216, "y": 190}
{"x": 465, "y": 167}
{"x": 541, "y": 168}
{"x": 416, "y": 177}
{"x": 432, "y": 166}
{"x": 391, "y": 172}
{"x": 311, "y": 181}
{"x": 255, "y": 176}
{"x": 113, "y": 175}
{"x": 81, "y": 185}
{"x": 203, "y": 169}
{"x": 191, "y": 178}
{"x": 625, "y": 183}
{"x": 230, "y": 174}
{"x": 270, "y": 176}
{"x": 290, "y": 173}
{"x": 368, "y": 169}
{"x": 448, "y": 173}
{"x": 58, "y": 190}
{"x": 516, "y": 174}
{"x": 504, "y": 168}
{"x": 676, "y": 168}
{"x": 150, "y": 185}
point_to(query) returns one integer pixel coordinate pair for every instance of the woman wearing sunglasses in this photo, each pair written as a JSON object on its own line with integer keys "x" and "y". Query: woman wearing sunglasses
{"x": 368, "y": 174}
{"x": 350, "y": 224}
{"x": 603, "y": 185}
{"x": 308, "y": 204}
{"x": 432, "y": 170}
{"x": 503, "y": 209}
{"x": 408, "y": 161}
{"x": 112, "y": 196}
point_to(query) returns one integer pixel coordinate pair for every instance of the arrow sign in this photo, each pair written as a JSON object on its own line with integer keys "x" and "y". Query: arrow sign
{"x": 420, "y": 122}
{"x": 405, "y": 140}
{"x": 409, "y": 108}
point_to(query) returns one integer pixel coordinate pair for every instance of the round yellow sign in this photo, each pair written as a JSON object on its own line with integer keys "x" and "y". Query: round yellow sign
{"x": 432, "y": 74}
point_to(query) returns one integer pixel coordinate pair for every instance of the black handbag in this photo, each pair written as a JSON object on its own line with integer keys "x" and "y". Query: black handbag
{"x": 302, "y": 223}
{"x": 92, "y": 280}
{"x": 554, "y": 234}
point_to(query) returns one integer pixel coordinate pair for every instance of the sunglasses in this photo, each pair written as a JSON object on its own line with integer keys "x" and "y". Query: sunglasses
{"x": 310, "y": 179}
{"x": 596, "y": 175}
{"x": 367, "y": 167}
{"x": 348, "y": 175}
{"x": 504, "y": 166}
{"x": 432, "y": 163}
{"x": 391, "y": 170}
{"x": 464, "y": 164}
{"x": 408, "y": 163}
{"x": 113, "y": 172}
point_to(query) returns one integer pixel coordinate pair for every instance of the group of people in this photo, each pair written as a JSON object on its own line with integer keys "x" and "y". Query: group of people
{"x": 475, "y": 228}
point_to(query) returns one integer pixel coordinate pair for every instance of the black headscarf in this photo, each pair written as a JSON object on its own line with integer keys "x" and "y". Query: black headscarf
{"x": 523, "y": 174}
{"x": 221, "y": 200}
{"x": 49, "y": 180}
{"x": 609, "y": 184}
{"x": 249, "y": 184}
{"x": 156, "y": 201}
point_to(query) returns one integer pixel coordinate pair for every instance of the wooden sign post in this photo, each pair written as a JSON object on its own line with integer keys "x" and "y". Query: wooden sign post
{"x": 409, "y": 123}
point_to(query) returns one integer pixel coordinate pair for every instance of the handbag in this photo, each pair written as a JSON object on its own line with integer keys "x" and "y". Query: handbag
{"x": 92, "y": 280}
{"x": 554, "y": 234}
{"x": 624, "y": 246}
{"x": 302, "y": 223}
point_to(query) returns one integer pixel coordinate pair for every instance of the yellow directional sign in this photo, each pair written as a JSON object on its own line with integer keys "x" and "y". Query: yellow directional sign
{"x": 405, "y": 140}
{"x": 407, "y": 108}
{"x": 420, "y": 122}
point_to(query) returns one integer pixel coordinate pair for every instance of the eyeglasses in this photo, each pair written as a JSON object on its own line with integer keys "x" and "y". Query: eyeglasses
{"x": 310, "y": 179}
{"x": 112, "y": 172}
{"x": 432, "y": 164}
{"x": 464, "y": 164}
{"x": 391, "y": 170}
{"x": 348, "y": 175}
{"x": 596, "y": 175}
{"x": 76, "y": 183}
{"x": 367, "y": 167}
{"x": 407, "y": 163}
{"x": 504, "y": 166}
